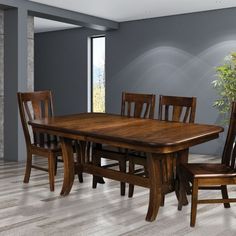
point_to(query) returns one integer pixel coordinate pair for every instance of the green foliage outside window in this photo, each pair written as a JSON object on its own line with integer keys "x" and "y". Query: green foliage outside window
{"x": 99, "y": 91}
{"x": 225, "y": 85}
{"x": 98, "y": 98}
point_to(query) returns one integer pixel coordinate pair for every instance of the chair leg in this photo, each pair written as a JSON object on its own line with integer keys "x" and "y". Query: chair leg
{"x": 80, "y": 177}
{"x": 122, "y": 165}
{"x": 180, "y": 190}
{"x": 184, "y": 159}
{"x": 78, "y": 159}
{"x": 162, "y": 200}
{"x": 180, "y": 187}
{"x": 225, "y": 195}
{"x": 95, "y": 182}
{"x": 28, "y": 167}
{"x": 51, "y": 171}
{"x": 96, "y": 160}
{"x": 55, "y": 170}
{"x": 188, "y": 188}
{"x": 177, "y": 187}
{"x": 194, "y": 203}
{"x": 164, "y": 178}
{"x": 131, "y": 186}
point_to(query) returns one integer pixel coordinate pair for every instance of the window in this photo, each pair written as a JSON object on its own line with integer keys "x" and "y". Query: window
{"x": 98, "y": 74}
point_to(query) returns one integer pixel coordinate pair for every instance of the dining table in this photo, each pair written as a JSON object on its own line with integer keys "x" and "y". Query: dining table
{"x": 158, "y": 139}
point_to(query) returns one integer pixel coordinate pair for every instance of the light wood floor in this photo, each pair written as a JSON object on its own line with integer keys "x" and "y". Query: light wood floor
{"x": 32, "y": 210}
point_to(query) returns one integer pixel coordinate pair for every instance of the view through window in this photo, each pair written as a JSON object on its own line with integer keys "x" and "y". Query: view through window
{"x": 98, "y": 74}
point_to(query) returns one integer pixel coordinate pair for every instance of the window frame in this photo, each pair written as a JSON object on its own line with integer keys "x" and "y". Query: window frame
{"x": 91, "y": 68}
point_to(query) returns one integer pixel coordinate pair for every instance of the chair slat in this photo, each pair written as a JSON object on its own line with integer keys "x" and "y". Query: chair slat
{"x": 147, "y": 110}
{"x": 166, "y": 113}
{"x": 176, "y": 114}
{"x": 138, "y": 108}
{"x": 183, "y": 108}
{"x": 129, "y": 109}
{"x": 37, "y": 110}
{"x": 46, "y": 108}
{"x": 232, "y": 164}
{"x": 186, "y": 115}
{"x": 27, "y": 109}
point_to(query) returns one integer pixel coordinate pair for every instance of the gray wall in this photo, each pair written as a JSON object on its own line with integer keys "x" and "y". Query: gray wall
{"x": 30, "y": 56}
{"x": 18, "y": 44}
{"x": 61, "y": 65}
{"x": 174, "y": 55}
{"x": 1, "y": 81}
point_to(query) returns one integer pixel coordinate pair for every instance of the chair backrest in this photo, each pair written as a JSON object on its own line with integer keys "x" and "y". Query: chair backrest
{"x": 138, "y": 105}
{"x": 35, "y": 105}
{"x": 179, "y": 109}
{"x": 229, "y": 153}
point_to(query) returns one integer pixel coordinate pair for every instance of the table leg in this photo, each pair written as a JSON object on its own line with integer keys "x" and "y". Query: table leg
{"x": 83, "y": 151}
{"x": 79, "y": 162}
{"x": 183, "y": 155}
{"x": 155, "y": 178}
{"x": 67, "y": 155}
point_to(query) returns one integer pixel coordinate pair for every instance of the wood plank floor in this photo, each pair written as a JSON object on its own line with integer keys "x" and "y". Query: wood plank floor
{"x": 32, "y": 210}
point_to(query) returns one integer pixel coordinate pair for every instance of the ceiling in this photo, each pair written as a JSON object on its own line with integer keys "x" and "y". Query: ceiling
{"x": 44, "y": 25}
{"x": 126, "y": 10}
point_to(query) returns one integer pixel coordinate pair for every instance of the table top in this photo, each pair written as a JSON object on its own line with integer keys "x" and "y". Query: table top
{"x": 143, "y": 134}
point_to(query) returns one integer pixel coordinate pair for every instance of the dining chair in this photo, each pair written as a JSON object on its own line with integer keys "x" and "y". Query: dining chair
{"x": 37, "y": 105}
{"x": 211, "y": 176}
{"x": 174, "y": 109}
{"x": 133, "y": 105}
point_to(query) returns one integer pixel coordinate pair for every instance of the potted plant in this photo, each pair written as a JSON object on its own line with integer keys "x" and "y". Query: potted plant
{"x": 225, "y": 85}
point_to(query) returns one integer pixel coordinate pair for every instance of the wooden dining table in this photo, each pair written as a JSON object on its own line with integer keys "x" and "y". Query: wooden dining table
{"x": 157, "y": 138}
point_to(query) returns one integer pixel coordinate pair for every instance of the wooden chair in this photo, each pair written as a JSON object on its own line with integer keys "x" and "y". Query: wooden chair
{"x": 211, "y": 176}
{"x": 36, "y": 105}
{"x": 132, "y": 105}
{"x": 171, "y": 108}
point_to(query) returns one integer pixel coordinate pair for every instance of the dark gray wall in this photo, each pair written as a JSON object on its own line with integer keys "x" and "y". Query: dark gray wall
{"x": 15, "y": 79}
{"x": 61, "y": 65}
{"x": 174, "y": 55}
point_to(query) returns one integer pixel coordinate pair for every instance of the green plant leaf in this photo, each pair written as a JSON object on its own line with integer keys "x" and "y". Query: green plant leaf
{"x": 225, "y": 85}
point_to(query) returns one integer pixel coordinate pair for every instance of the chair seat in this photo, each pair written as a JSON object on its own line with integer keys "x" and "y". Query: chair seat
{"x": 113, "y": 149}
{"x": 208, "y": 170}
{"x": 108, "y": 150}
{"x": 48, "y": 147}
{"x": 52, "y": 146}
